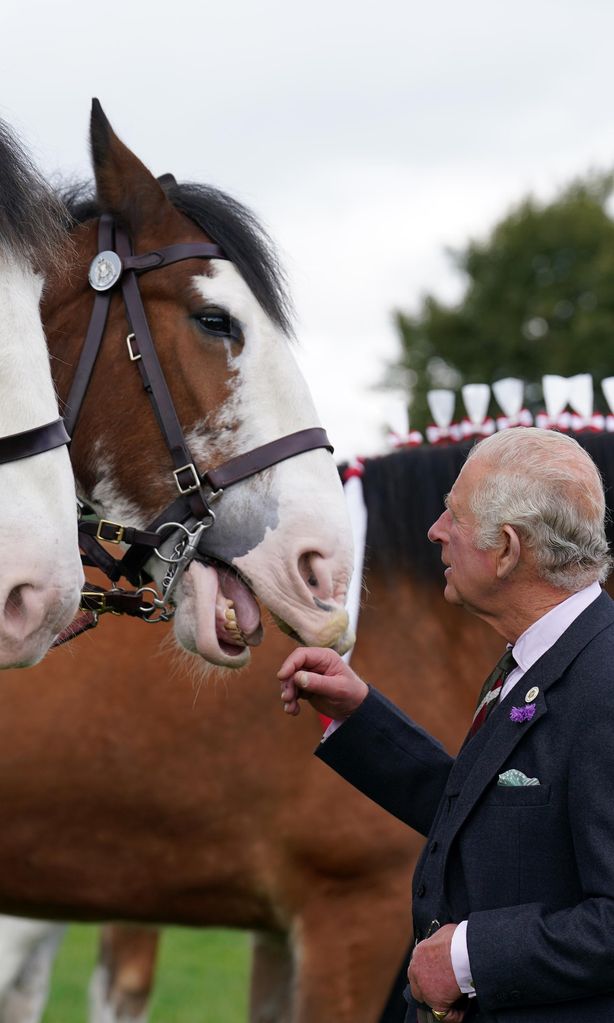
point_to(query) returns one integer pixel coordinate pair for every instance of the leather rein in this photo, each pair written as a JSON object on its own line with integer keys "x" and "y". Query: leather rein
{"x": 115, "y": 266}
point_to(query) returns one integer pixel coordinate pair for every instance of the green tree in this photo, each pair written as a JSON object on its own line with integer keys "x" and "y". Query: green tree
{"x": 538, "y": 298}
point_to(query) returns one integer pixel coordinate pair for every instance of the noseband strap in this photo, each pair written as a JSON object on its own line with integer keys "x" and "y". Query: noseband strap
{"x": 243, "y": 466}
{"x": 33, "y": 442}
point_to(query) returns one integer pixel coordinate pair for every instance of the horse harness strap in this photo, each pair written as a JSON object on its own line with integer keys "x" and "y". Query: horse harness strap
{"x": 33, "y": 442}
{"x": 113, "y": 264}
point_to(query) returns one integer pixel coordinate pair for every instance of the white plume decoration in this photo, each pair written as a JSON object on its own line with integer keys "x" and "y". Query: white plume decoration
{"x": 476, "y": 398}
{"x": 509, "y": 395}
{"x": 556, "y": 393}
{"x": 581, "y": 394}
{"x": 607, "y": 386}
{"x": 441, "y": 405}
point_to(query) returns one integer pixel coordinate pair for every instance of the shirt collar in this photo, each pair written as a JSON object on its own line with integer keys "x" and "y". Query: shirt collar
{"x": 543, "y": 633}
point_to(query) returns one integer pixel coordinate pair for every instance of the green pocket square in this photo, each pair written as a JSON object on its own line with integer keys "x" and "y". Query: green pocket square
{"x": 514, "y": 778}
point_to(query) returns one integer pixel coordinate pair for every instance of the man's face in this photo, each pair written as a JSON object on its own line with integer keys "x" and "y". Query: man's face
{"x": 470, "y": 575}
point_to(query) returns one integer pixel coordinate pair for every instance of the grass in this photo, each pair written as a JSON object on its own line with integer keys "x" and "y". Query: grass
{"x": 202, "y": 977}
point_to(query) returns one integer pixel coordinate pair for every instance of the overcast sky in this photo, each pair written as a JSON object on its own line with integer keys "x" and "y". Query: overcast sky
{"x": 367, "y": 137}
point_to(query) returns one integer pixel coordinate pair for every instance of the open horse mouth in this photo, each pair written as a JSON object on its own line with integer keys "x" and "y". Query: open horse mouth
{"x": 228, "y": 619}
{"x": 218, "y": 616}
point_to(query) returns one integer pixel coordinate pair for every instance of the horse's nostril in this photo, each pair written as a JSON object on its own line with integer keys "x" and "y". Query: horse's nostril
{"x": 15, "y": 607}
{"x": 23, "y": 611}
{"x": 306, "y": 569}
{"x": 315, "y": 573}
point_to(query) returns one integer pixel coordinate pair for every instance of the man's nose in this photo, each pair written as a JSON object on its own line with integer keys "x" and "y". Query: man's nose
{"x": 438, "y": 531}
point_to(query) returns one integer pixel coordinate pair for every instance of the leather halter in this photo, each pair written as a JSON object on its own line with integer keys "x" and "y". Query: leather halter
{"x": 115, "y": 265}
{"x": 33, "y": 442}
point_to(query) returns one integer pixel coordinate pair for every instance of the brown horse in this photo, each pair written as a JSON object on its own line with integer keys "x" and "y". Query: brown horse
{"x": 169, "y": 801}
{"x": 201, "y": 328}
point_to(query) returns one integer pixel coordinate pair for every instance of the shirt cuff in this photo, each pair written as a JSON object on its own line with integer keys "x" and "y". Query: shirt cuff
{"x": 460, "y": 960}
{"x": 334, "y": 725}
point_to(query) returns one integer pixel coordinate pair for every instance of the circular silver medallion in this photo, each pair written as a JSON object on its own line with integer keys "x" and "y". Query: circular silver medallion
{"x": 105, "y": 270}
{"x": 532, "y": 694}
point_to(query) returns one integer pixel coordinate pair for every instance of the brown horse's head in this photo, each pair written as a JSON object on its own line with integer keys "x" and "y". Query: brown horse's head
{"x": 220, "y": 330}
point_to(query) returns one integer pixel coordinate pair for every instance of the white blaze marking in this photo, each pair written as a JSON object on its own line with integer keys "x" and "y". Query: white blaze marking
{"x": 38, "y": 527}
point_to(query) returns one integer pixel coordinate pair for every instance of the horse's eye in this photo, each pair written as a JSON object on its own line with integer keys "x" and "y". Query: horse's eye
{"x": 219, "y": 323}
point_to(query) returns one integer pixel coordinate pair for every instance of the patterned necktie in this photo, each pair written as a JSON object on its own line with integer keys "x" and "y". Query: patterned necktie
{"x": 491, "y": 691}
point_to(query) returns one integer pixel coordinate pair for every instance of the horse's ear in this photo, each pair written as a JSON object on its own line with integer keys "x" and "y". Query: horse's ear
{"x": 124, "y": 185}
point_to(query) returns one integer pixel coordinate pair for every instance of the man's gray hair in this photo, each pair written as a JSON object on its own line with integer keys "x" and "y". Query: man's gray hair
{"x": 546, "y": 486}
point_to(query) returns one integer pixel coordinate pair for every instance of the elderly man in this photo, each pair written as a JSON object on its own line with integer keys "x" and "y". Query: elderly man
{"x": 513, "y": 898}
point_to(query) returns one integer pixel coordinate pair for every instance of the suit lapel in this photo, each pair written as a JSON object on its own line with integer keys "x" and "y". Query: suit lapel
{"x": 481, "y": 759}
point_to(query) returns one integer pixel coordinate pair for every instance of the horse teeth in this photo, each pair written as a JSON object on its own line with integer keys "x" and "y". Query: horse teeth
{"x": 231, "y": 616}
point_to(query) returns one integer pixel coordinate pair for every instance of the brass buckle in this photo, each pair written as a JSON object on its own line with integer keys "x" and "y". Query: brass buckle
{"x": 193, "y": 486}
{"x": 119, "y": 531}
{"x": 94, "y": 595}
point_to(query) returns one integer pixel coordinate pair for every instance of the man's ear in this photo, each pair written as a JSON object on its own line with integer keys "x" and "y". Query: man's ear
{"x": 508, "y": 554}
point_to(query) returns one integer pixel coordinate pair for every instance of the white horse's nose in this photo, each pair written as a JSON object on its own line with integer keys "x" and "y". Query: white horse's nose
{"x": 31, "y": 615}
{"x": 315, "y": 570}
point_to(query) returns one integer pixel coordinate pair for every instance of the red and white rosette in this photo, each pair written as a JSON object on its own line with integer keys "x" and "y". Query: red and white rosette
{"x": 524, "y": 418}
{"x": 355, "y": 469}
{"x": 413, "y": 439}
{"x": 545, "y": 422}
{"x": 438, "y": 434}
{"x": 587, "y": 424}
{"x": 469, "y": 430}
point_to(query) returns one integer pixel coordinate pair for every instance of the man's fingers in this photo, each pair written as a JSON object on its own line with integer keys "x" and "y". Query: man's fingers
{"x": 414, "y": 984}
{"x": 455, "y": 1015}
{"x": 297, "y": 688}
{"x": 321, "y": 677}
{"x": 289, "y": 698}
{"x": 310, "y": 683}
{"x": 313, "y": 658}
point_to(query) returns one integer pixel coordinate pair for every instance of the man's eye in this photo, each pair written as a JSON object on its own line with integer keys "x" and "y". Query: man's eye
{"x": 220, "y": 324}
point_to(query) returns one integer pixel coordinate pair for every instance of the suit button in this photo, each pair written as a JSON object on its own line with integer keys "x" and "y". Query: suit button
{"x": 433, "y": 847}
{"x": 421, "y": 890}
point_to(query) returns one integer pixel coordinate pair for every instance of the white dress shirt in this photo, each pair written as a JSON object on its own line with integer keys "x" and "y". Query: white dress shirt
{"x": 527, "y": 649}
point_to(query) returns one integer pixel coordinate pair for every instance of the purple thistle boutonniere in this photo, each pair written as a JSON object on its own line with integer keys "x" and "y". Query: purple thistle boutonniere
{"x": 522, "y": 713}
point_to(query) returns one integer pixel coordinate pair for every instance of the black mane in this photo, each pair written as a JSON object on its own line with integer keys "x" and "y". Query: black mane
{"x": 32, "y": 220}
{"x": 404, "y": 494}
{"x": 228, "y": 223}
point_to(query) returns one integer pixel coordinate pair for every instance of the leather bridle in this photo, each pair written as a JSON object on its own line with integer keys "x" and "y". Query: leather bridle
{"x": 33, "y": 442}
{"x": 116, "y": 266}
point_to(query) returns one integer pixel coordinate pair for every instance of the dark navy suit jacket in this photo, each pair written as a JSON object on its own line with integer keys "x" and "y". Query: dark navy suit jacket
{"x": 531, "y": 867}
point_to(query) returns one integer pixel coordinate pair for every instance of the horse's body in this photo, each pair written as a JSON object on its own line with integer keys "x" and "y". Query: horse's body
{"x": 166, "y": 802}
{"x": 40, "y": 569}
{"x": 219, "y": 326}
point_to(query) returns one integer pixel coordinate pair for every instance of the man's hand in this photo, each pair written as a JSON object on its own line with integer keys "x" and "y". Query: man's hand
{"x": 431, "y": 976}
{"x": 324, "y": 679}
